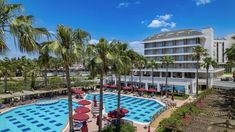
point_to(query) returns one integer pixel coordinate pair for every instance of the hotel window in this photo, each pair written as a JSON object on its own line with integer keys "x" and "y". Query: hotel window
{"x": 170, "y": 51}
{"x": 159, "y": 44}
{"x": 198, "y": 40}
{"x": 159, "y": 51}
{"x": 191, "y": 41}
{"x": 169, "y": 43}
{"x": 179, "y": 42}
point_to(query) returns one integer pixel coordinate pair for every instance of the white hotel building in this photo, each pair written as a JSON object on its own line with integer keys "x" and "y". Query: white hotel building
{"x": 179, "y": 44}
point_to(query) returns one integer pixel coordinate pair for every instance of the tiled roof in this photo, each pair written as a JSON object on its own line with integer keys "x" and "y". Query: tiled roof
{"x": 174, "y": 34}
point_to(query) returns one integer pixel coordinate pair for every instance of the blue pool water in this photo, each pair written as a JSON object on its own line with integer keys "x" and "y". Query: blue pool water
{"x": 33, "y": 118}
{"x": 178, "y": 88}
{"x": 140, "y": 109}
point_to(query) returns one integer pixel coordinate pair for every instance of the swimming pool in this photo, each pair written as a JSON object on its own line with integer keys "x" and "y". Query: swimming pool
{"x": 140, "y": 110}
{"x": 33, "y": 118}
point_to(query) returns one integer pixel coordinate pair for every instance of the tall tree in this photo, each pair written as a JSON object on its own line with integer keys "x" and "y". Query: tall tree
{"x": 56, "y": 64}
{"x": 140, "y": 63}
{"x": 153, "y": 65}
{"x": 44, "y": 60}
{"x": 98, "y": 63}
{"x": 19, "y": 26}
{"x": 198, "y": 52}
{"x": 7, "y": 69}
{"x": 167, "y": 60}
{"x": 25, "y": 68}
{"x": 121, "y": 61}
{"x": 69, "y": 46}
{"x": 207, "y": 62}
{"x": 134, "y": 61}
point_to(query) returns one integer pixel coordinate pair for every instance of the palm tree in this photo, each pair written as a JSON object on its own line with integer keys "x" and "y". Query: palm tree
{"x": 68, "y": 46}
{"x": 121, "y": 61}
{"x": 19, "y": 26}
{"x": 134, "y": 61}
{"x": 44, "y": 60}
{"x": 7, "y": 69}
{"x": 34, "y": 70}
{"x": 98, "y": 63}
{"x": 208, "y": 61}
{"x": 198, "y": 51}
{"x": 25, "y": 67}
{"x": 152, "y": 64}
{"x": 55, "y": 63}
{"x": 167, "y": 60}
{"x": 140, "y": 63}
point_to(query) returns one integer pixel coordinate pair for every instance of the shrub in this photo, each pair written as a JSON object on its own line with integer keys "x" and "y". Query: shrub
{"x": 125, "y": 127}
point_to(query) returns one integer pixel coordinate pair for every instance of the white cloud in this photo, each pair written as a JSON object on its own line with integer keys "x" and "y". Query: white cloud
{"x": 165, "y": 17}
{"x": 202, "y": 2}
{"x": 162, "y": 21}
{"x": 93, "y": 41}
{"x": 123, "y": 4}
{"x": 165, "y": 30}
{"x": 173, "y": 24}
{"x": 137, "y": 46}
{"x": 156, "y": 23}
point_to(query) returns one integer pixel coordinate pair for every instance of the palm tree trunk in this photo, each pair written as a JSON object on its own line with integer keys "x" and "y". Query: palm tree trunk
{"x": 132, "y": 81}
{"x": 25, "y": 81}
{"x": 140, "y": 78}
{"x": 125, "y": 81}
{"x": 197, "y": 77}
{"x": 56, "y": 71}
{"x": 5, "y": 83}
{"x": 32, "y": 81}
{"x": 112, "y": 77}
{"x": 45, "y": 77}
{"x": 69, "y": 99}
{"x": 119, "y": 101}
{"x": 101, "y": 102}
{"x": 166, "y": 78}
{"x": 152, "y": 78}
{"x": 207, "y": 76}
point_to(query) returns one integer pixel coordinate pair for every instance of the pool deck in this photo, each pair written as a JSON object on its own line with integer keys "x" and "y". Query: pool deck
{"x": 92, "y": 127}
{"x": 140, "y": 127}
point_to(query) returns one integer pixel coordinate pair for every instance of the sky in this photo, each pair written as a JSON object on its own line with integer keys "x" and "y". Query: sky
{"x": 129, "y": 20}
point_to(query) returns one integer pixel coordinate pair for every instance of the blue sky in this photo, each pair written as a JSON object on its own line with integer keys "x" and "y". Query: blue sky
{"x": 130, "y": 20}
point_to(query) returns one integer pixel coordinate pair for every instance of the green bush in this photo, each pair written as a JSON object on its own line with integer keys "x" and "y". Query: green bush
{"x": 125, "y": 127}
{"x": 175, "y": 120}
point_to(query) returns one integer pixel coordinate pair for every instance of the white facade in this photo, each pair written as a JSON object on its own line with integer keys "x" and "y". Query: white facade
{"x": 220, "y": 46}
{"x": 179, "y": 45}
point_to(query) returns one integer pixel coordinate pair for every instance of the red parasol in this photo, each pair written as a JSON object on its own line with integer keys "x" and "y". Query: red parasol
{"x": 106, "y": 85}
{"x": 141, "y": 89}
{"x": 84, "y": 102}
{"x": 84, "y": 127}
{"x": 80, "y": 117}
{"x": 123, "y": 110}
{"x": 82, "y": 109}
{"x": 78, "y": 91}
{"x": 113, "y": 86}
{"x": 127, "y": 88}
{"x": 152, "y": 90}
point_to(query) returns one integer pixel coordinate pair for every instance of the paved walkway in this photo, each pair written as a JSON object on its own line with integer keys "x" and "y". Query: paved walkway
{"x": 168, "y": 112}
